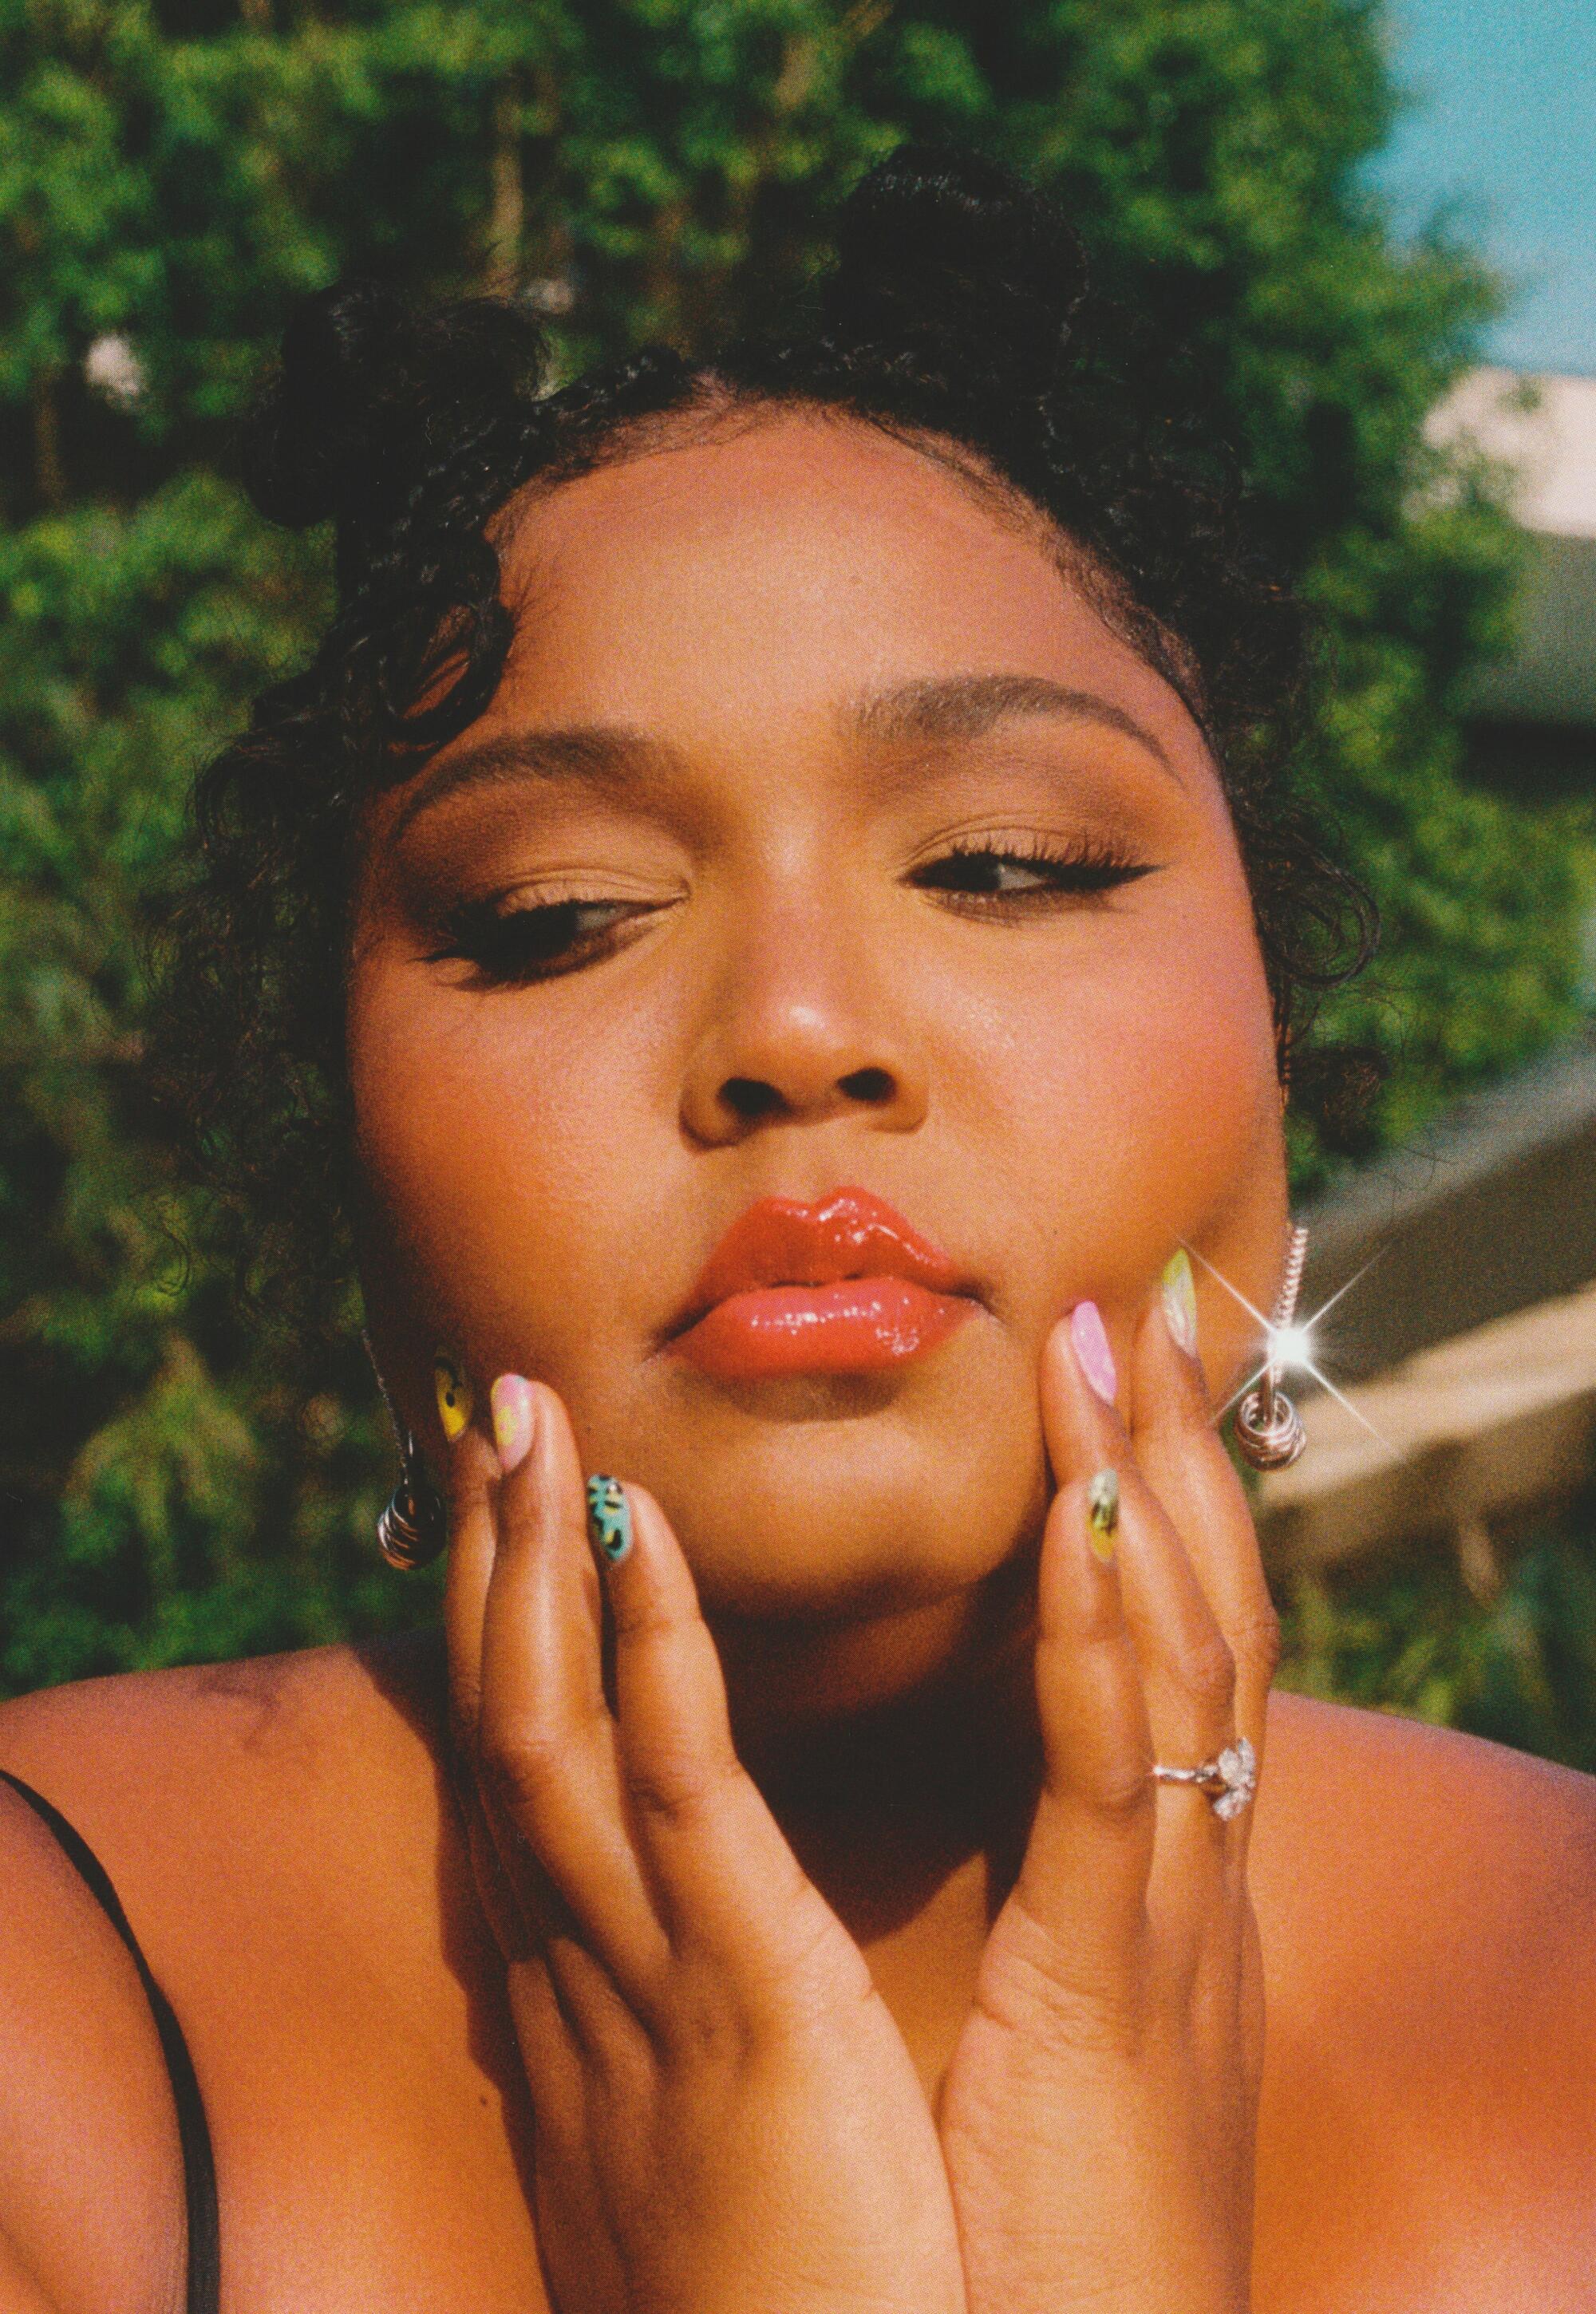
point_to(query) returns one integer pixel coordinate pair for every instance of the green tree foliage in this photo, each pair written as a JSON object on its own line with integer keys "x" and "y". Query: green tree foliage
{"x": 174, "y": 1483}
{"x": 1517, "y": 1664}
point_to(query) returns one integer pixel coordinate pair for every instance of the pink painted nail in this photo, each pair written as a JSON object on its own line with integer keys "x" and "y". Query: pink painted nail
{"x": 1092, "y": 1347}
{"x": 511, "y": 1401}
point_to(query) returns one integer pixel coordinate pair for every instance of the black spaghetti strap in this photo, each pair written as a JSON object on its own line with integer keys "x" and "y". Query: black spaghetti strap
{"x": 199, "y": 2174}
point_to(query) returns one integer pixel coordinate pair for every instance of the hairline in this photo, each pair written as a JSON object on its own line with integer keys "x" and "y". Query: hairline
{"x": 716, "y": 408}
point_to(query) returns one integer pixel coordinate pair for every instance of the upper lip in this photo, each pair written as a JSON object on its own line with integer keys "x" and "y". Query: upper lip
{"x": 782, "y": 1241}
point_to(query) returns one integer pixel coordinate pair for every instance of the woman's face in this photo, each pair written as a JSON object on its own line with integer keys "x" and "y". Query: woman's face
{"x": 869, "y": 859}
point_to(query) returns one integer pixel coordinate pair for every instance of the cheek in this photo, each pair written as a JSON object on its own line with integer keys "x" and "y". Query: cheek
{"x": 1138, "y": 1106}
{"x": 501, "y": 1171}
{"x": 531, "y": 1203}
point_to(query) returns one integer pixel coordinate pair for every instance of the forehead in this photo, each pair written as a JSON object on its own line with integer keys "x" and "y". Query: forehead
{"x": 767, "y": 568}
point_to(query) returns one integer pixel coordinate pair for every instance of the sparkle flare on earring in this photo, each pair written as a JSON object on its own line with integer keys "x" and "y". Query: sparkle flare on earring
{"x": 1179, "y": 1295}
{"x": 1102, "y": 1513}
{"x": 609, "y": 1517}
{"x": 453, "y": 1394}
{"x": 1268, "y": 1429}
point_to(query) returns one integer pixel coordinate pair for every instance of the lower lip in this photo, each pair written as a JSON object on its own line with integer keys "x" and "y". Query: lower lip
{"x": 862, "y": 1325}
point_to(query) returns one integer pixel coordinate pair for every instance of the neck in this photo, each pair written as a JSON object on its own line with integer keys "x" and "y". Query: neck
{"x": 901, "y": 1757}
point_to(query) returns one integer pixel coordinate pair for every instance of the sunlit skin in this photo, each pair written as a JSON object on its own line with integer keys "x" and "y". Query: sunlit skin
{"x": 549, "y": 1166}
{"x": 799, "y": 723}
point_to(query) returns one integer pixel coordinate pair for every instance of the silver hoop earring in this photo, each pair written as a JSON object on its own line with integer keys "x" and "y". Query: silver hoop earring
{"x": 1268, "y": 1428}
{"x": 412, "y": 1527}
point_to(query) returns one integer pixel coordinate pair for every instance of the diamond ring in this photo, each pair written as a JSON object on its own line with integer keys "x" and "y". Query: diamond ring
{"x": 1229, "y": 1782}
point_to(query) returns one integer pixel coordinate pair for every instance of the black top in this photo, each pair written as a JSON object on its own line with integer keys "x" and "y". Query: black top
{"x": 199, "y": 2175}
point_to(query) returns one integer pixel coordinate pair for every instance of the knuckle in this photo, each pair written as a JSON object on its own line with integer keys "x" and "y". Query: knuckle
{"x": 642, "y": 1615}
{"x": 677, "y": 1786}
{"x": 1257, "y": 1644}
{"x": 1111, "y": 1781}
{"x": 1047, "y": 1991}
{"x": 1207, "y": 1671}
{"x": 1120, "y": 1792}
{"x": 520, "y": 1761}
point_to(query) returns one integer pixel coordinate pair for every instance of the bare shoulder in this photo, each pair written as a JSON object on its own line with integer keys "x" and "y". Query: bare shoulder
{"x": 248, "y": 1813}
{"x": 80, "y": 2066}
{"x": 1417, "y": 1838}
{"x": 281, "y": 1837}
{"x": 1371, "y": 1790}
{"x": 187, "y": 1782}
{"x": 1427, "y": 1905}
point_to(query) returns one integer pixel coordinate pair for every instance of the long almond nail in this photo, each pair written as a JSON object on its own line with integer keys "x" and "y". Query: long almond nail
{"x": 511, "y": 1401}
{"x": 453, "y": 1394}
{"x": 1180, "y": 1302}
{"x": 1088, "y": 1333}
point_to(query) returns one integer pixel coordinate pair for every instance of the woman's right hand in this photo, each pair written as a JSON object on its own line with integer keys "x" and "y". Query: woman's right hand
{"x": 726, "y": 2118}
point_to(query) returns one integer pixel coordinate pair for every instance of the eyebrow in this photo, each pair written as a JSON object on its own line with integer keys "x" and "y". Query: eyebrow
{"x": 931, "y": 708}
{"x": 968, "y": 706}
{"x": 593, "y": 751}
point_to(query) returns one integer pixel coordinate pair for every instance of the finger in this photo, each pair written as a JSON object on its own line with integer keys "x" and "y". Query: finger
{"x": 1183, "y": 1458}
{"x": 725, "y": 1877}
{"x": 1196, "y": 1881}
{"x": 1184, "y": 1662}
{"x": 1084, "y": 1878}
{"x": 472, "y": 1474}
{"x": 546, "y": 1741}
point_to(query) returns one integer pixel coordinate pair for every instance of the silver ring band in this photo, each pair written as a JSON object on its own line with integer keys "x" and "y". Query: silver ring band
{"x": 1227, "y": 1781}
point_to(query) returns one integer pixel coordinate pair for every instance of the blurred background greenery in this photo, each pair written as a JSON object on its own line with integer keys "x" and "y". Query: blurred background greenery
{"x": 176, "y": 1484}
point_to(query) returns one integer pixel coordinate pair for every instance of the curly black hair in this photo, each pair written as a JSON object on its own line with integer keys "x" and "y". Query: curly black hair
{"x": 958, "y": 317}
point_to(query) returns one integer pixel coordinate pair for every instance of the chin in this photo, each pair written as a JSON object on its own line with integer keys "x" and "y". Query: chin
{"x": 839, "y": 1526}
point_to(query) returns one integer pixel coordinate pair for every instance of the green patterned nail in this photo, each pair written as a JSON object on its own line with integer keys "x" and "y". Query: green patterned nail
{"x": 608, "y": 1518}
{"x": 1180, "y": 1302}
{"x": 1102, "y": 1513}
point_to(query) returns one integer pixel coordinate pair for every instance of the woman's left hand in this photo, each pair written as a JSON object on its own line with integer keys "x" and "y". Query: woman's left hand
{"x": 1100, "y": 2114}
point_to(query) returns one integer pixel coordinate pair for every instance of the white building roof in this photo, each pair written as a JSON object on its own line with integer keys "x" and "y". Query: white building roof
{"x": 1551, "y": 445}
{"x": 1544, "y": 430}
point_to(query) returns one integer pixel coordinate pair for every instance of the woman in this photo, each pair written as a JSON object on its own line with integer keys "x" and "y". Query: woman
{"x": 774, "y": 921}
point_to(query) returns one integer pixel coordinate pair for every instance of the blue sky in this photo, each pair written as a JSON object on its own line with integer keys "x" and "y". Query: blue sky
{"x": 1504, "y": 122}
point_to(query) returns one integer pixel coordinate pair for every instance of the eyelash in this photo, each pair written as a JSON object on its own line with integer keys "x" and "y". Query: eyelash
{"x": 517, "y": 947}
{"x": 1083, "y": 871}
{"x": 504, "y": 943}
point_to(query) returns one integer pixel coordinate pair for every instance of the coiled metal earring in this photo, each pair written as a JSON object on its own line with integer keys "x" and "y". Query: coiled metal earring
{"x": 1269, "y": 1430}
{"x": 412, "y": 1527}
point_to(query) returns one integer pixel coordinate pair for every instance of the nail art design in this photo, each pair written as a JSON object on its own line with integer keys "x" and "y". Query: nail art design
{"x": 1180, "y": 1302}
{"x": 511, "y": 1402}
{"x": 608, "y": 1518}
{"x": 1102, "y": 1513}
{"x": 1092, "y": 1347}
{"x": 453, "y": 1394}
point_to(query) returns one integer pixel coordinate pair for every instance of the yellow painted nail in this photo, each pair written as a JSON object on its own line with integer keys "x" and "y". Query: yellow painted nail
{"x": 453, "y": 1394}
{"x": 1180, "y": 1302}
{"x": 1102, "y": 1513}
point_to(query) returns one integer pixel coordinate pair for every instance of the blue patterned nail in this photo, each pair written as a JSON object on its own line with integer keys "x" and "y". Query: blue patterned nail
{"x": 608, "y": 1518}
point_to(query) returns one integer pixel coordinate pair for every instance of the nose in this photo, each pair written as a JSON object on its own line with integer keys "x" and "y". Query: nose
{"x": 802, "y": 1031}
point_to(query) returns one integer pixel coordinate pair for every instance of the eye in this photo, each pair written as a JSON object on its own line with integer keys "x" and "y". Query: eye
{"x": 1018, "y": 875}
{"x": 512, "y": 946}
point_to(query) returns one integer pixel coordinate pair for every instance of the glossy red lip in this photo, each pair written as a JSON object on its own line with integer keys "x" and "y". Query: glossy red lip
{"x": 844, "y": 1287}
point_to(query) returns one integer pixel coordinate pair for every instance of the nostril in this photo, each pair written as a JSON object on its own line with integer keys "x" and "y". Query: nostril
{"x": 872, "y": 1086}
{"x": 750, "y": 1097}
